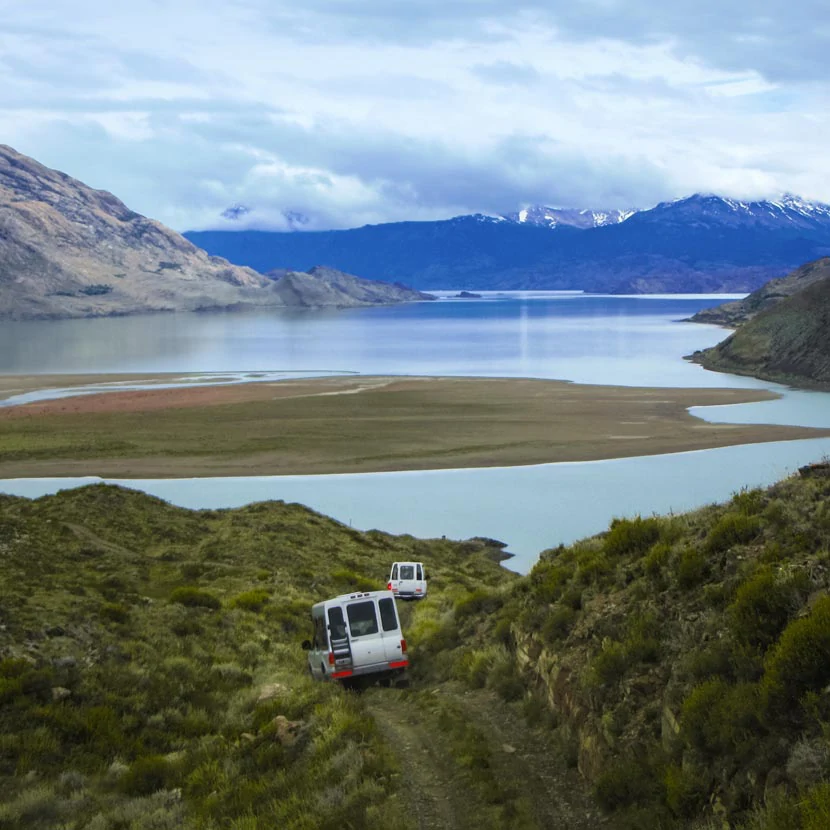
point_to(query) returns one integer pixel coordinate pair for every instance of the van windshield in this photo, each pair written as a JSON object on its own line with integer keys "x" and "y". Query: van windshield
{"x": 407, "y": 572}
{"x": 362, "y": 618}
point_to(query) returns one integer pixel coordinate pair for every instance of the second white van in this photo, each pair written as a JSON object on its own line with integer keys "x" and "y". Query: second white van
{"x": 408, "y": 580}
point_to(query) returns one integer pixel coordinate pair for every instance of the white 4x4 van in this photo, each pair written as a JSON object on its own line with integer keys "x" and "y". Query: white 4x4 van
{"x": 354, "y": 635}
{"x": 408, "y": 580}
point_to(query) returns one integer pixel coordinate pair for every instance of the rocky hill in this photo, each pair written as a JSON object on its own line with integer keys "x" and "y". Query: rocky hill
{"x": 67, "y": 250}
{"x": 788, "y": 342}
{"x": 323, "y": 286}
{"x": 736, "y": 313}
{"x": 703, "y": 243}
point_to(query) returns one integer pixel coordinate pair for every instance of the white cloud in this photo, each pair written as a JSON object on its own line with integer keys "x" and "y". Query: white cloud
{"x": 363, "y": 111}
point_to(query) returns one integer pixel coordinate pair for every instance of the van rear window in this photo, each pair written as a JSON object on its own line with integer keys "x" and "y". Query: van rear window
{"x": 407, "y": 572}
{"x": 362, "y": 618}
{"x": 388, "y": 617}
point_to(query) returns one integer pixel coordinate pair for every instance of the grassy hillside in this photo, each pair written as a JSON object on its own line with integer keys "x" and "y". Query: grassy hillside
{"x": 151, "y": 674}
{"x": 788, "y": 342}
{"x": 682, "y": 663}
{"x": 737, "y": 313}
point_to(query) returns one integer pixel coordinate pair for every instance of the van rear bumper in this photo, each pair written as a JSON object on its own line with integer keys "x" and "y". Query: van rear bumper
{"x": 373, "y": 668}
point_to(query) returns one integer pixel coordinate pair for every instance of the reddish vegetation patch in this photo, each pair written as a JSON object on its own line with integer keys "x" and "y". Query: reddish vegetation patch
{"x": 145, "y": 400}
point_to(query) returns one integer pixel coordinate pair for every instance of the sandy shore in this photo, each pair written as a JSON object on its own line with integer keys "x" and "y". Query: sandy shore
{"x": 354, "y": 424}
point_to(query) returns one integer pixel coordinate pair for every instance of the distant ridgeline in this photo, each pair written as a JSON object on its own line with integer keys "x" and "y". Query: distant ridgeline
{"x": 783, "y": 330}
{"x": 698, "y": 244}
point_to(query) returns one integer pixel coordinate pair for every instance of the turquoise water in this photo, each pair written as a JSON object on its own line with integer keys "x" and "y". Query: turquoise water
{"x": 610, "y": 340}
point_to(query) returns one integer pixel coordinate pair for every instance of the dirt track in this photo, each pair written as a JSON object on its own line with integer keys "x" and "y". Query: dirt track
{"x": 538, "y": 789}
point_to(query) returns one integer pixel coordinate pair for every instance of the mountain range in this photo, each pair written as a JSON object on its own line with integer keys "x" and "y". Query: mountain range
{"x": 702, "y": 243}
{"x": 67, "y": 250}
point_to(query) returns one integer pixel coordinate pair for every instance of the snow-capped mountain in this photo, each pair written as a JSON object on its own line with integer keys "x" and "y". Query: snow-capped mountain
{"x": 786, "y": 212}
{"x": 551, "y": 217}
{"x": 704, "y": 243}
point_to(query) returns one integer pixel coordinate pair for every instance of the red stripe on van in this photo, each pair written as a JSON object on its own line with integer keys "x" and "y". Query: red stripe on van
{"x": 400, "y": 664}
{"x": 346, "y": 673}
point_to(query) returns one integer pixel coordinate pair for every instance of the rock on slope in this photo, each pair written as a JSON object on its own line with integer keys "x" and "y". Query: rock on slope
{"x": 787, "y": 342}
{"x": 741, "y": 311}
{"x": 322, "y": 286}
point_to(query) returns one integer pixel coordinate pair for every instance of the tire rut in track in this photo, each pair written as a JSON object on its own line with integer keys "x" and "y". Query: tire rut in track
{"x": 430, "y": 777}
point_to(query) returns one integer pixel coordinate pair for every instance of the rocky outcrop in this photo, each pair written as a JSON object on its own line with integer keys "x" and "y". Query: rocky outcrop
{"x": 68, "y": 250}
{"x": 768, "y": 295}
{"x": 789, "y": 342}
{"x": 321, "y": 286}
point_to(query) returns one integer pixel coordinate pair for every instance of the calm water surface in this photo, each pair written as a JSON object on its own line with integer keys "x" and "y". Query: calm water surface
{"x": 586, "y": 339}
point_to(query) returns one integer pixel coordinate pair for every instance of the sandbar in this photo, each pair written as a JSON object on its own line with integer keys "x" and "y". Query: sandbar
{"x": 350, "y": 424}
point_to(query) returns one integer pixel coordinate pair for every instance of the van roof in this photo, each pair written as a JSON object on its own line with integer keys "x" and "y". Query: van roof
{"x": 408, "y": 563}
{"x": 356, "y": 595}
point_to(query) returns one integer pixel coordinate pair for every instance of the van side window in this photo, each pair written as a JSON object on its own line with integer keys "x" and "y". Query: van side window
{"x": 321, "y": 640}
{"x": 420, "y": 572}
{"x": 337, "y": 624}
{"x": 362, "y": 618}
{"x": 395, "y": 571}
{"x": 388, "y": 618}
{"x": 407, "y": 572}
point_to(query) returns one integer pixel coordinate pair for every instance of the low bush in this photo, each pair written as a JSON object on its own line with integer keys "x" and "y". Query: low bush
{"x": 732, "y": 529}
{"x": 253, "y": 600}
{"x": 800, "y": 661}
{"x": 723, "y": 719}
{"x": 147, "y": 775}
{"x": 631, "y": 537}
{"x": 195, "y": 598}
{"x": 115, "y": 612}
{"x": 762, "y": 607}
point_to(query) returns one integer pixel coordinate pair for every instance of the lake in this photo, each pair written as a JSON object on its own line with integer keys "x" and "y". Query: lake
{"x": 586, "y": 339}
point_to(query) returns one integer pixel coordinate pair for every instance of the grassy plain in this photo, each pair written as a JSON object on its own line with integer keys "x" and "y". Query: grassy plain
{"x": 358, "y": 424}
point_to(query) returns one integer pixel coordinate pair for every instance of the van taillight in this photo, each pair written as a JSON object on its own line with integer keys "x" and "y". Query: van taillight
{"x": 331, "y": 658}
{"x": 388, "y": 586}
{"x": 403, "y": 646}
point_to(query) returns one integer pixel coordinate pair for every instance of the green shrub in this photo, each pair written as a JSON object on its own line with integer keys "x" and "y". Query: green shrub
{"x": 558, "y": 623}
{"x": 623, "y": 784}
{"x": 800, "y": 661}
{"x": 692, "y": 568}
{"x": 762, "y": 607}
{"x": 732, "y": 529}
{"x": 656, "y": 559}
{"x": 147, "y": 775}
{"x": 115, "y": 612}
{"x": 253, "y": 600}
{"x": 348, "y": 580}
{"x": 195, "y": 598}
{"x": 609, "y": 664}
{"x": 686, "y": 790}
{"x": 549, "y": 581}
{"x": 722, "y": 719}
{"x": 477, "y": 603}
{"x": 592, "y": 566}
{"x": 631, "y": 537}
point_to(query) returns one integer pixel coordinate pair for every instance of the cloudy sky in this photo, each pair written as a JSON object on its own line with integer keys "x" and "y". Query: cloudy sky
{"x": 357, "y": 111}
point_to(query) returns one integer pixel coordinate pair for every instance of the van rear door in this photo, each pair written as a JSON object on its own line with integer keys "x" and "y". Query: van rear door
{"x": 365, "y": 637}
